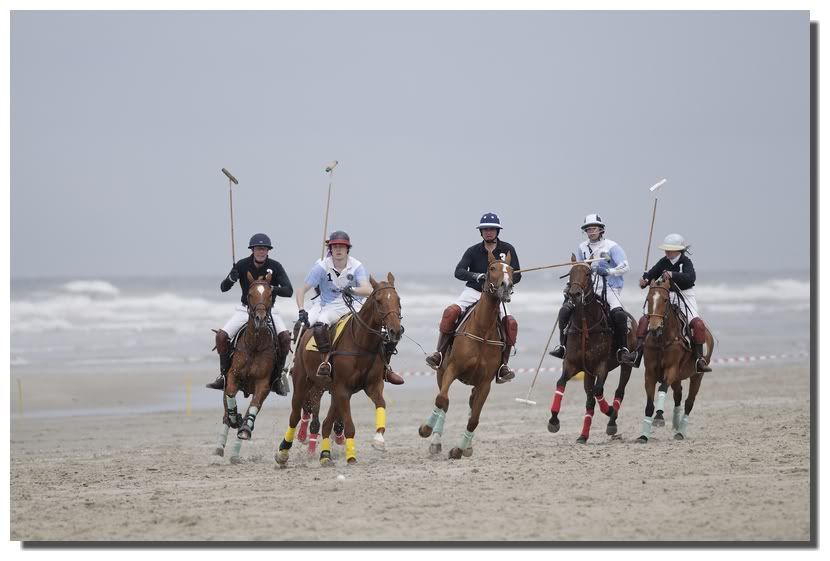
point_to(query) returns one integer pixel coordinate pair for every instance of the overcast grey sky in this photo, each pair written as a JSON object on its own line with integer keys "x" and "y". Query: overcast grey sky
{"x": 121, "y": 122}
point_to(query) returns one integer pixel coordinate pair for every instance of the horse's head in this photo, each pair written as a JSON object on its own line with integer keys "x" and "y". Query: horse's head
{"x": 259, "y": 299}
{"x": 499, "y": 277}
{"x": 657, "y": 305}
{"x": 387, "y": 307}
{"x": 579, "y": 280}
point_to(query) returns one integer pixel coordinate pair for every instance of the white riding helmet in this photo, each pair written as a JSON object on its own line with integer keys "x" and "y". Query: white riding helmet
{"x": 593, "y": 220}
{"x": 674, "y": 242}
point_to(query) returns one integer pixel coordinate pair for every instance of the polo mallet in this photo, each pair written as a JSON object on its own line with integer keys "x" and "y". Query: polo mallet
{"x": 653, "y": 214}
{"x": 330, "y": 170}
{"x": 527, "y": 400}
{"x": 231, "y": 182}
{"x": 560, "y": 265}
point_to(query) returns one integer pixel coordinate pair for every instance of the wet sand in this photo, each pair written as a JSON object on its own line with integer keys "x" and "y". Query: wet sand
{"x": 742, "y": 474}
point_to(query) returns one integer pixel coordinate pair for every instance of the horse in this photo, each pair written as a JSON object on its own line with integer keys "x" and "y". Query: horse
{"x": 669, "y": 360}
{"x": 590, "y": 350}
{"x": 357, "y": 364}
{"x": 250, "y": 368}
{"x": 473, "y": 359}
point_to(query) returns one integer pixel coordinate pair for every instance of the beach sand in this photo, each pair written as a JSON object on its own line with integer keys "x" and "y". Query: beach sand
{"x": 743, "y": 473}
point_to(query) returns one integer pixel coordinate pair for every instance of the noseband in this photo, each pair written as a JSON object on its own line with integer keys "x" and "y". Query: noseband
{"x": 383, "y": 333}
{"x": 492, "y": 289}
{"x": 665, "y": 313}
{"x": 586, "y": 288}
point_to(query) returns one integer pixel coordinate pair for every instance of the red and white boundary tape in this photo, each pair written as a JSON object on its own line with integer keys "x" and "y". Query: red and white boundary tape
{"x": 727, "y": 360}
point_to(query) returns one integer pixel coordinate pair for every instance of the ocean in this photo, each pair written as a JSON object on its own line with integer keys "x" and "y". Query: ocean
{"x": 117, "y": 325}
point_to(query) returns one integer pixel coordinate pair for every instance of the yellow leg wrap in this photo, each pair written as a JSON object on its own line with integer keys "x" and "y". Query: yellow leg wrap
{"x": 326, "y": 445}
{"x": 380, "y": 418}
{"x": 350, "y": 448}
{"x": 289, "y": 435}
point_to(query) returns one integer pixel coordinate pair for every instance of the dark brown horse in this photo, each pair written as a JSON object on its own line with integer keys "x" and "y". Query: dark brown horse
{"x": 591, "y": 351}
{"x": 473, "y": 359}
{"x": 669, "y": 359}
{"x": 250, "y": 370}
{"x": 358, "y": 364}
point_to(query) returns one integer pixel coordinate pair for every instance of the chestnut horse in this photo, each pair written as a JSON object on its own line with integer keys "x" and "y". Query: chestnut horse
{"x": 591, "y": 351}
{"x": 358, "y": 364}
{"x": 250, "y": 370}
{"x": 474, "y": 358}
{"x": 669, "y": 360}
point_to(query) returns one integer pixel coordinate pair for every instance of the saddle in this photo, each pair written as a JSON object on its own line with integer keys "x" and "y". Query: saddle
{"x": 334, "y": 333}
{"x": 685, "y": 326}
{"x": 244, "y": 328}
{"x": 466, "y": 315}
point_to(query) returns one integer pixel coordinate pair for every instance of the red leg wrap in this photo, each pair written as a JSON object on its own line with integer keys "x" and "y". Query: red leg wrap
{"x": 557, "y": 399}
{"x": 313, "y": 439}
{"x": 302, "y": 430}
{"x": 586, "y": 422}
{"x": 603, "y": 405}
{"x": 617, "y": 404}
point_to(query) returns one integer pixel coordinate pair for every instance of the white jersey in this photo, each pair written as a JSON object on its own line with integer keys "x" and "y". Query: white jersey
{"x": 618, "y": 265}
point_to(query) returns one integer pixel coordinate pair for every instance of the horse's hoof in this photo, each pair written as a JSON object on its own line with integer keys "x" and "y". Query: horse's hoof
{"x": 219, "y": 452}
{"x": 679, "y": 436}
{"x": 611, "y": 430}
{"x": 642, "y": 439}
{"x": 378, "y": 443}
{"x": 455, "y": 454}
{"x": 467, "y": 452}
{"x": 244, "y": 434}
{"x": 425, "y": 431}
{"x": 553, "y": 427}
{"x": 351, "y": 460}
{"x": 659, "y": 422}
{"x": 236, "y": 460}
{"x": 435, "y": 448}
{"x": 281, "y": 457}
{"x": 582, "y": 439}
{"x": 326, "y": 462}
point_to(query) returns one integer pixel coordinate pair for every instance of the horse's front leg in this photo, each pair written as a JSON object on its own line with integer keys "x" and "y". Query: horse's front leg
{"x": 375, "y": 393}
{"x": 683, "y": 421}
{"x": 223, "y": 432}
{"x": 662, "y": 389}
{"x": 650, "y": 378}
{"x": 344, "y": 405}
{"x": 434, "y": 425}
{"x": 301, "y": 389}
{"x": 588, "y": 383}
{"x": 233, "y": 416}
{"x": 325, "y": 431}
{"x": 619, "y": 394}
{"x": 478, "y": 396}
{"x": 568, "y": 371}
{"x": 254, "y": 407}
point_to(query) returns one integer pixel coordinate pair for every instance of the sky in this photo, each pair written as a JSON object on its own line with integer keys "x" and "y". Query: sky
{"x": 122, "y": 121}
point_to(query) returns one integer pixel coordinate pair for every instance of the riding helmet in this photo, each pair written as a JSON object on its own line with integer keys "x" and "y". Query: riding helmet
{"x": 593, "y": 220}
{"x": 674, "y": 242}
{"x": 260, "y": 240}
{"x": 489, "y": 220}
{"x": 339, "y": 237}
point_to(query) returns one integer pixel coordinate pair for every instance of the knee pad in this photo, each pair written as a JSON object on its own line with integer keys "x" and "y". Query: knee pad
{"x": 620, "y": 317}
{"x": 698, "y": 331}
{"x": 284, "y": 342}
{"x": 511, "y": 330}
{"x": 223, "y": 342}
{"x": 449, "y": 319}
{"x": 642, "y": 327}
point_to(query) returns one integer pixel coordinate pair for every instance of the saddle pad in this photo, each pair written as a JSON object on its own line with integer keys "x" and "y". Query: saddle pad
{"x": 338, "y": 329}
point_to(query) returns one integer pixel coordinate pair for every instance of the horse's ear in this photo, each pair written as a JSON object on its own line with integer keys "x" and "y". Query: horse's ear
{"x": 390, "y": 278}
{"x": 373, "y": 282}
{"x": 490, "y": 257}
{"x": 250, "y": 277}
{"x": 573, "y": 258}
{"x": 508, "y": 257}
{"x": 268, "y": 278}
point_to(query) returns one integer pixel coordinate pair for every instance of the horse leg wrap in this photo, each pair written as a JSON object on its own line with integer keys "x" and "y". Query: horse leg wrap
{"x": 466, "y": 440}
{"x": 223, "y": 436}
{"x": 350, "y": 452}
{"x": 617, "y": 404}
{"x": 326, "y": 445}
{"x": 313, "y": 439}
{"x": 302, "y": 432}
{"x": 586, "y": 422}
{"x": 232, "y": 412}
{"x": 646, "y": 428}
{"x": 557, "y": 399}
{"x": 236, "y": 446}
{"x": 436, "y": 419}
{"x": 676, "y": 416}
{"x": 660, "y": 401}
{"x": 380, "y": 418}
{"x": 289, "y": 436}
{"x": 603, "y": 405}
{"x": 684, "y": 425}
{"x": 250, "y": 418}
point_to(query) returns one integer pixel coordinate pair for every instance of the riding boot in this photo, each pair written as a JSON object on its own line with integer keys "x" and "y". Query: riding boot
{"x": 279, "y": 381}
{"x": 620, "y": 329}
{"x": 564, "y": 318}
{"x": 435, "y": 360}
{"x": 700, "y": 360}
{"x": 642, "y": 330}
{"x": 323, "y": 341}
{"x": 390, "y": 375}
{"x": 505, "y": 373}
{"x": 224, "y": 365}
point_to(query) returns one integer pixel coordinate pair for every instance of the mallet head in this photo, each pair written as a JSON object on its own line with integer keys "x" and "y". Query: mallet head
{"x": 657, "y": 185}
{"x": 331, "y": 166}
{"x": 231, "y": 177}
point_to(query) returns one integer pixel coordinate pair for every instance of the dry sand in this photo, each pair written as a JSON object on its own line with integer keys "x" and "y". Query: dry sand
{"x": 743, "y": 473}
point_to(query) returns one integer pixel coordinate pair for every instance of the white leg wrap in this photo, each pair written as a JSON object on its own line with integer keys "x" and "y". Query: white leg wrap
{"x": 660, "y": 401}
{"x": 646, "y": 429}
{"x": 236, "y": 446}
{"x": 436, "y": 438}
{"x": 684, "y": 426}
{"x": 223, "y": 436}
{"x": 677, "y": 414}
{"x": 231, "y": 401}
{"x": 466, "y": 440}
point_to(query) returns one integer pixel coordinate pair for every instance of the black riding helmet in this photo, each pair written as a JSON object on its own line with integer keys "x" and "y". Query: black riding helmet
{"x": 260, "y": 240}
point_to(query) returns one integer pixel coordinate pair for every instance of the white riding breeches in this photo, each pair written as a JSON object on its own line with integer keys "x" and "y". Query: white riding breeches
{"x": 613, "y": 297}
{"x": 470, "y": 296}
{"x": 691, "y": 303}
{"x": 331, "y": 312}
{"x": 240, "y": 318}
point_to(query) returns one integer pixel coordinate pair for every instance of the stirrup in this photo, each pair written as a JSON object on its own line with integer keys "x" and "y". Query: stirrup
{"x": 508, "y": 374}
{"x": 558, "y": 351}
{"x": 624, "y": 356}
{"x": 324, "y": 366}
{"x": 701, "y": 366}
{"x": 430, "y": 360}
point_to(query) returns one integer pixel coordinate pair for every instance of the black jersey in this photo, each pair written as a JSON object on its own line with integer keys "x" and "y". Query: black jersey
{"x": 279, "y": 280}
{"x": 682, "y": 272}
{"x": 475, "y": 261}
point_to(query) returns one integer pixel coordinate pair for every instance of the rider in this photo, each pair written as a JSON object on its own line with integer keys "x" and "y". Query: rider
{"x": 259, "y": 265}
{"x": 677, "y": 266}
{"x": 612, "y": 270}
{"x": 336, "y": 275}
{"x": 472, "y": 269}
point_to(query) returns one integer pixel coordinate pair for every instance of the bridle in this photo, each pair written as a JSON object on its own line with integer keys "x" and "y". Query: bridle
{"x": 261, "y": 306}
{"x": 493, "y": 290}
{"x": 665, "y": 313}
{"x": 383, "y": 332}
{"x": 583, "y": 289}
